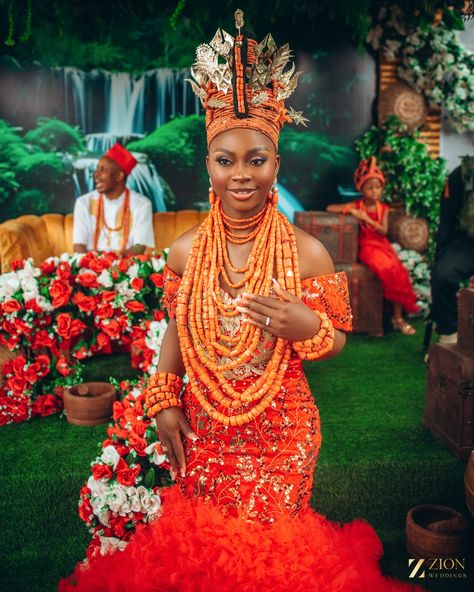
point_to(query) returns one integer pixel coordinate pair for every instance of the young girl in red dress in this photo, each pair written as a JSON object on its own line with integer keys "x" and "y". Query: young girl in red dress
{"x": 375, "y": 250}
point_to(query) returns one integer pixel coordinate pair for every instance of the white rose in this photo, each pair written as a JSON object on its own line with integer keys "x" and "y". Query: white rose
{"x": 44, "y": 304}
{"x": 157, "y": 458}
{"x": 110, "y": 456}
{"x": 111, "y": 544}
{"x": 104, "y": 279}
{"x": 125, "y": 291}
{"x": 132, "y": 271}
{"x": 103, "y": 517}
{"x": 116, "y": 498}
{"x": 98, "y": 488}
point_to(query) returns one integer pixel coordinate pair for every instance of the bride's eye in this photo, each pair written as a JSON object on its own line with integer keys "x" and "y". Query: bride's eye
{"x": 258, "y": 161}
{"x": 223, "y": 161}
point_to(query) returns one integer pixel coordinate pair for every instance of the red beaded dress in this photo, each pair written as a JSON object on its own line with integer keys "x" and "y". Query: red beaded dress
{"x": 240, "y": 520}
{"x": 377, "y": 253}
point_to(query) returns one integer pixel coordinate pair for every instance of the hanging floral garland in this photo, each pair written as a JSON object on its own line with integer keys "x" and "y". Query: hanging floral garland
{"x": 433, "y": 61}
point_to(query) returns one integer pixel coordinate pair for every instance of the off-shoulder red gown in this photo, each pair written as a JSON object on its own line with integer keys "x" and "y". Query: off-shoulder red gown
{"x": 240, "y": 520}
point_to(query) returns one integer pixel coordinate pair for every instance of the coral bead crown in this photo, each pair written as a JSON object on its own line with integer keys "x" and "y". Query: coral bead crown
{"x": 244, "y": 84}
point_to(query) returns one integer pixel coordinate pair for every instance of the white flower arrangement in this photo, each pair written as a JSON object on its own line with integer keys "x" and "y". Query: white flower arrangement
{"x": 434, "y": 63}
{"x": 420, "y": 276}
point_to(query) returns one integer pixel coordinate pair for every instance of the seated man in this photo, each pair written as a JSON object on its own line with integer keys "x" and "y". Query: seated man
{"x": 113, "y": 217}
{"x": 454, "y": 261}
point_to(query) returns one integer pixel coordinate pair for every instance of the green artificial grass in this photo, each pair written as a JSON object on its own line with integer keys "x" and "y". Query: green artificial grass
{"x": 376, "y": 462}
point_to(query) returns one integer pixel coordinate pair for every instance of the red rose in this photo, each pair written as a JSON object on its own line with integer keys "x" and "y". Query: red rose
{"x": 157, "y": 279}
{"x": 158, "y": 315}
{"x": 137, "y": 284}
{"x": 118, "y": 410}
{"x": 103, "y": 342}
{"x": 42, "y": 339}
{"x": 11, "y": 306}
{"x": 17, "y": 384}
{"x": 47, "y": 267}
{"x": 46, "y": 405}
{"x": 19, "y": 364}
{"x": 105, "y": 311}
{"x": 33, "y": 305}
{"x": 62, "y": 366}
{"x": 126, "y": 475}
{"x": 83, "y": 302}
{"x": 32, "y": 373}
{"x": 81, "y": 353}
{"x": 43, "y": 361}
{"x": 137, "y": 443}
{"x": 7, "y": 368}
{"x": 17, "y": 264}
{"x": 85, "y": 508}
{"x": 108, "y": 295}
{"x": 87, "y": 279}
{"x": 60, "y": 291}
{"x": 64, "y": 323}
{"x": 101, "y": 472}
{"x": 135, "y": 306}
{"x": 21, "y": 326}
{"x": 118, "y": 526}
{"x": 123, "y": 265}
{"x": 111, "y": 327}
{"x": 64, "y": 271}
{"x": 77, "y": 327}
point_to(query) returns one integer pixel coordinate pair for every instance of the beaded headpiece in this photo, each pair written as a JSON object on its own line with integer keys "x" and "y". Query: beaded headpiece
{"x": 366, "y": 170}
{"x": 249, "y": 87}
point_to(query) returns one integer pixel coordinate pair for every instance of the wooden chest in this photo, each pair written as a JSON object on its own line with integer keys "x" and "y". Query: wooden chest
{"x": 466, "y": 319}
{"x": 366, "y": 295}
{"x": 338, "y": 233}
{"x": 449, "y": 406}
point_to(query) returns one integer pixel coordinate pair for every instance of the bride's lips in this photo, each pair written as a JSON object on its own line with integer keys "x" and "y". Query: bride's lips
{"x": 241, "y": 194}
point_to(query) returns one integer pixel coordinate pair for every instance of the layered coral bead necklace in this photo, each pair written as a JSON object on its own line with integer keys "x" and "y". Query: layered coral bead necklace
{"x": 124, "y": 223}
{"x": 207, "y": 352}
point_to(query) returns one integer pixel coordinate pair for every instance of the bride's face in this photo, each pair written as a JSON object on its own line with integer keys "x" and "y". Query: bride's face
{"x": 242, "y": 165}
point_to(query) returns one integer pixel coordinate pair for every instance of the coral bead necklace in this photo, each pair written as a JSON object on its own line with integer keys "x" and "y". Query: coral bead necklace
{"x": 124, "y": 224}
{"x": 200, "y": 304}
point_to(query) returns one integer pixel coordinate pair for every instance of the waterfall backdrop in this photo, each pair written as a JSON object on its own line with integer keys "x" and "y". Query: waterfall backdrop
{"x": 61, "y": 108}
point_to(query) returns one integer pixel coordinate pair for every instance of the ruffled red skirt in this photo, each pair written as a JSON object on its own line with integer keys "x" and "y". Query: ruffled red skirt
{"x": 379, "y": 256}
{"x": 193, "y": 547}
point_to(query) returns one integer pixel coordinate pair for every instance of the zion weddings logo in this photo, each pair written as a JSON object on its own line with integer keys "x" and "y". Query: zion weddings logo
{"x": 438, "y": 568}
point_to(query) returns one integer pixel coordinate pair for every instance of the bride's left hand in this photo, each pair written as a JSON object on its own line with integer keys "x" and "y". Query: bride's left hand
{"x": 289, "y": 316}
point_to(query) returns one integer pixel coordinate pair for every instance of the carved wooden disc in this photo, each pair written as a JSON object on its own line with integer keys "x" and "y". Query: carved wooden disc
{"x": 401, "y": 100}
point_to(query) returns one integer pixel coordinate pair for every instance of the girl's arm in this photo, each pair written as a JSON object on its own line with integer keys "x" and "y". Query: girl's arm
{"x": 340, "y": 208}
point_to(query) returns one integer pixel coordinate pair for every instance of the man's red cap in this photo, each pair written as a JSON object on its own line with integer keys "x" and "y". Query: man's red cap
{"x": 122, "y": 157}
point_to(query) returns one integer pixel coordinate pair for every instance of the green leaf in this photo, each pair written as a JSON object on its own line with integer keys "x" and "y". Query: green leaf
{"x": 150, "y": 478}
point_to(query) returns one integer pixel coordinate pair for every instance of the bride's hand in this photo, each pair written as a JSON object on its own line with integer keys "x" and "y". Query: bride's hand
{"x": 171, "y": 425}
{"x": 286, "y": 316}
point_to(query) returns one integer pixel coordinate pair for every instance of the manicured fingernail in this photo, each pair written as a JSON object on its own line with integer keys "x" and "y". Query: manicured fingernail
{"x": 194, "y": 437}
{"x": 183, "y": 473}
{"x": 275, "y": 282}
{"x": 241, "y": 308}
{"x": 173, "y": 474}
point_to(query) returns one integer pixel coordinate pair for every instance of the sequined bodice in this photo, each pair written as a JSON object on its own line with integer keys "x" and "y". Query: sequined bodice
{"x": 230, "y": 326}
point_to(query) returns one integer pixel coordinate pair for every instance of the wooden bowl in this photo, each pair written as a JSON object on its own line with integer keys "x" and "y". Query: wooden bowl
{"x": 89, "y": 403}
{"x": 424, "y": 538}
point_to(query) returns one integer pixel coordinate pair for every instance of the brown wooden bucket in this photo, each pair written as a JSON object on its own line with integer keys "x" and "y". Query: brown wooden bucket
{"x": 89, "y": 403}
{"x": 436, "y": 531}
{"x": 469, "y": 483}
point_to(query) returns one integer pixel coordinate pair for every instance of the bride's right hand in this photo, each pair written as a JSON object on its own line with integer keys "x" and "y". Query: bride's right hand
{"x": 170, "y": 424}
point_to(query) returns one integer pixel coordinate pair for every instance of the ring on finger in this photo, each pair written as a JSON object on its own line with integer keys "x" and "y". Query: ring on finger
{"x": 267, "y": 321}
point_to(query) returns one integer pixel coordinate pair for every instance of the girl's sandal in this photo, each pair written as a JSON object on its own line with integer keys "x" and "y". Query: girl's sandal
{"x": 402, "y": 326}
